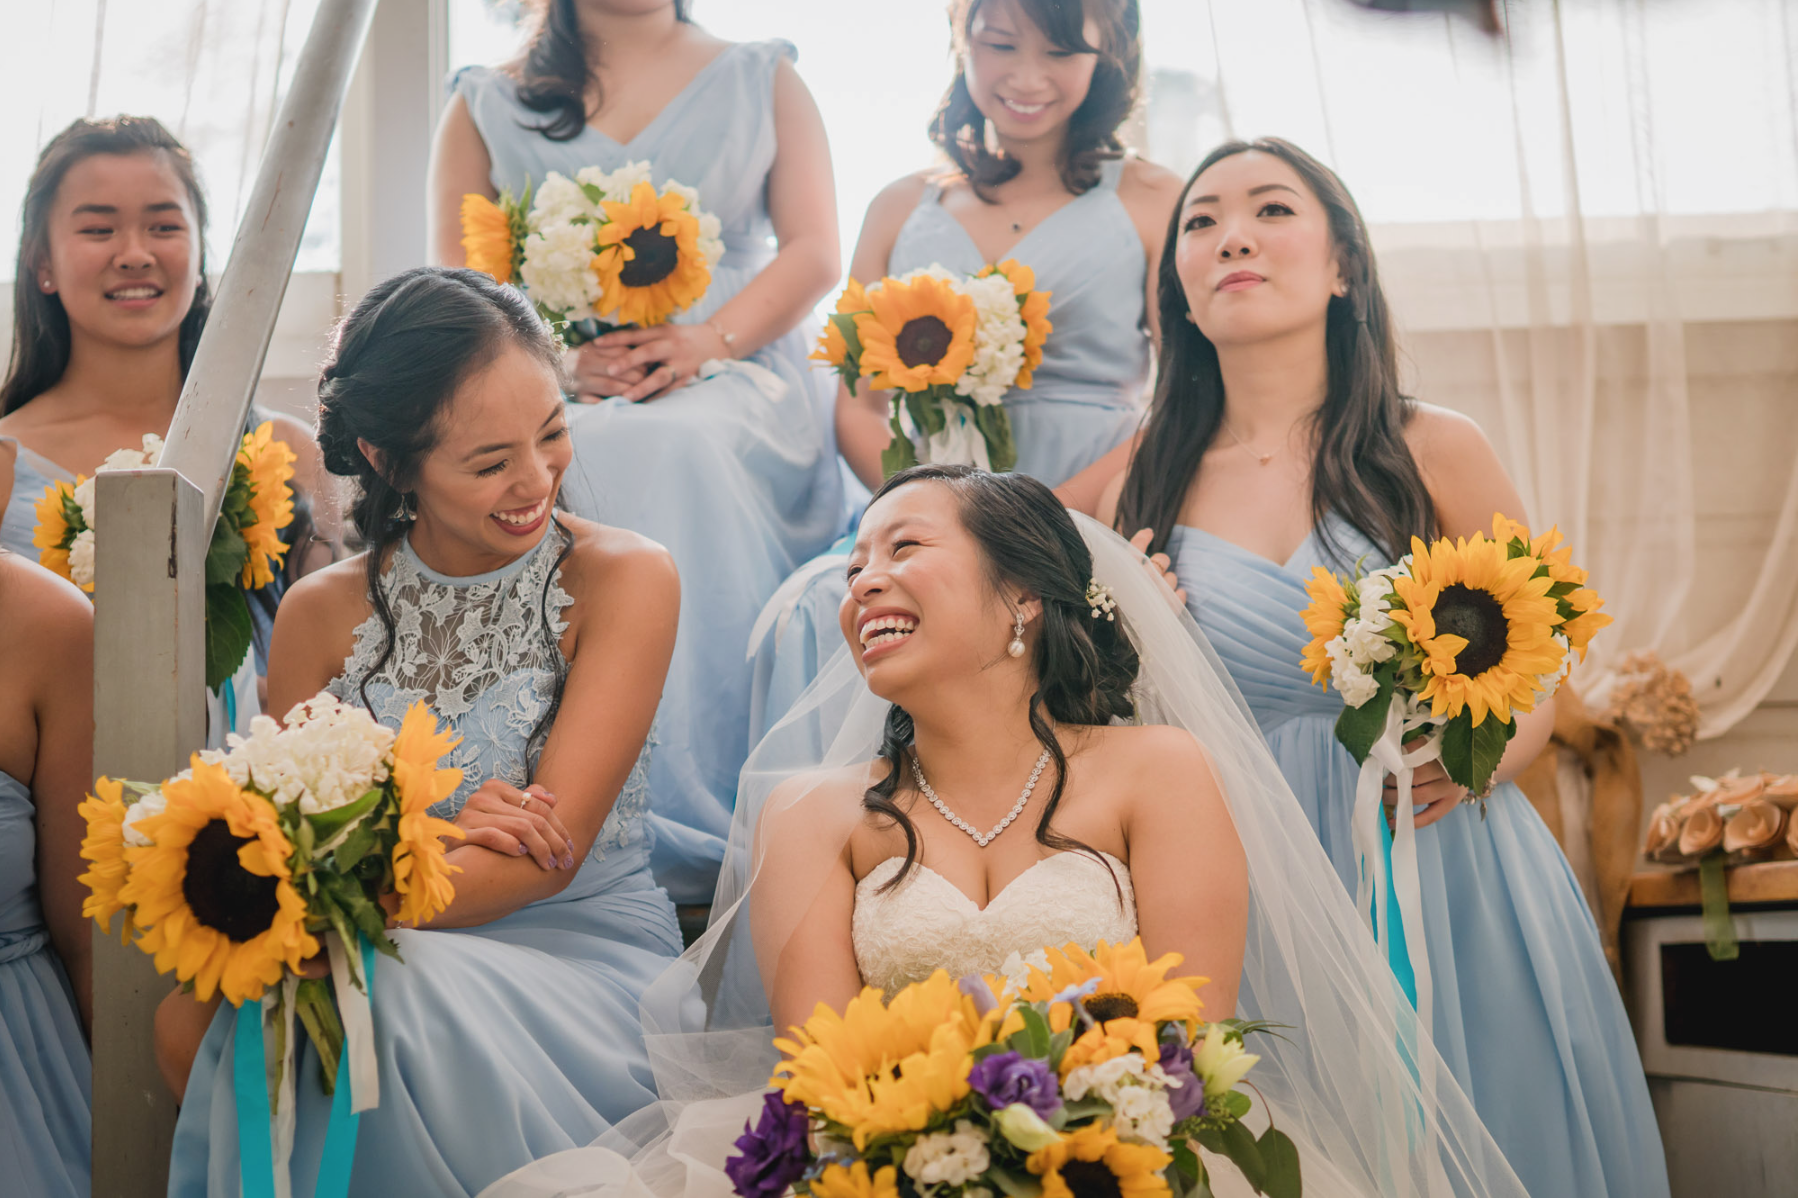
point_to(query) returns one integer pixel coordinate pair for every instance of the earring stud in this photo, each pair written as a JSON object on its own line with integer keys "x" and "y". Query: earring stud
{"x": 1016, "y": 648}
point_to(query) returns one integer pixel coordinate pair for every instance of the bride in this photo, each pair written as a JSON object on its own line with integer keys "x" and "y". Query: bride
{"x": 1007, "y": 666}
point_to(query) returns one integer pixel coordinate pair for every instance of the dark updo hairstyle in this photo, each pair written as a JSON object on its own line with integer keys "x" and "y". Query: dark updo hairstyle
{"x": 553, "y": 74}
{"x": 40, "y": 327}
{"x": 959, "y": 128}
{"x": 400, "y": 355}
{"x": 1084, "y": 667}
{"x": 1363, "y": 469}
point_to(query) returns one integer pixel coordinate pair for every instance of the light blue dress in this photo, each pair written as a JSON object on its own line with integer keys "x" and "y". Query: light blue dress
{"x": 1086, "y": 397}
{"x": 45, "y": 1123}
{"x": 736, "y": 475}
{"x": 1526, "y": 1013}
{"x": 502, "y": 1043}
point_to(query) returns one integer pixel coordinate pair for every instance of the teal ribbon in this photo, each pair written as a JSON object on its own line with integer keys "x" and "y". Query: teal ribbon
{"x": 1397, "y": 955}
{"x": 255, "y": 1148}
{"x": 229, "y": 692}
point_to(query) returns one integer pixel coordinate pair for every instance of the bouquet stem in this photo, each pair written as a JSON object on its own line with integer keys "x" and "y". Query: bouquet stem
{"x": 316, "y": 1006}
{"x": 1719, "y": 928}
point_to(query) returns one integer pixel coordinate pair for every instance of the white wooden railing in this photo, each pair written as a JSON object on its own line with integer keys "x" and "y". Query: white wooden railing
{"x": 149, "y": 627}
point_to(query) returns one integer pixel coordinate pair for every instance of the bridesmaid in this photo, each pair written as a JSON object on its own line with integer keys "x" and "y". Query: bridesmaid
{"x": 46, "y": 728}
{"x": 1035, "y": 172}
{"x": 511, "y": 1031}
{"x": 734, "y": 469}
{"x": 1278, "y": 441}
{"x": 109, "y": 299}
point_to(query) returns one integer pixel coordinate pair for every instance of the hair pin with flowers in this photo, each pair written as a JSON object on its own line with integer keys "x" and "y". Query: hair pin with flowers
{"x": 1098, "y": 597}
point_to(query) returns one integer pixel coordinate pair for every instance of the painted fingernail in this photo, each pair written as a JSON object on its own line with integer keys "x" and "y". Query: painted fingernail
{"x": 521, "y": 850}
{"x": 568, "y": 861}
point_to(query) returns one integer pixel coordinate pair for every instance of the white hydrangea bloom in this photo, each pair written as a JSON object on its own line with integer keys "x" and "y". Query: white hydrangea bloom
{"x": 81, "y": 558}
{"x": 1355, "y": 685}
{"x": 1015, "y": 969}
{"x": 558, "y": 270}
{"x": 330, "y": 754}
{"x": 948, "y": 1157}
{"x": 1365, "y": 641}
{"x": 559, "y": 200}
{"x": 1109, "y": 1079}
{"x": 84, "y": 499}
{"x": 1550, "y": 683}
{"x": 998, "y": 339}
{"x": 154, "y": 803}
{"x": 1143, "y": 1115}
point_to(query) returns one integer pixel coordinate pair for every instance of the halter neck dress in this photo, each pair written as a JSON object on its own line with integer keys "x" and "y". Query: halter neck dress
{"x": 1526, "y": 1013}
{"x": 1086, "y": 397}
{"x": 737, "y": 474}
{"x": 500, "y": 1043}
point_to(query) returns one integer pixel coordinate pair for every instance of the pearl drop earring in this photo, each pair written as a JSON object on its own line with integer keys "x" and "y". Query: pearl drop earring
{"x": 1016, "y": 648}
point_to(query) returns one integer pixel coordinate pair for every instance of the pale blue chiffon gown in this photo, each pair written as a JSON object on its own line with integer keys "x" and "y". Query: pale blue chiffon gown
{"x": 44, "y": 1073}
{"x": 497, "y": 1044}
{"x": 1085, "y": 399}
{"x": 736, "y": 475}
{"x": 1526, "y": 1013}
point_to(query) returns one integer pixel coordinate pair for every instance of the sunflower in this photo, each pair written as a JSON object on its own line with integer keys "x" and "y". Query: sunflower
{"x": 213, "y": 891}
{"x": 1483, "y": 623}
{"x": 918, "y": 334}
{"x": 833, "y": 348}
{"x": 104, "y": 848}
{"x": 1033, "y": 307}
{"x": 854, "y": 1181}
{"x": 1130, "y": 986}
{"x": 1091, "y": 1161}
{"x": 487, "y": 238}
{"x": 1107, "y": 1041}
{"x": 420, "y": 873}
{"x": 1323, "y": 620}
{"x": 56, "y": 529}
{"x": 268, "y": 464}
{"x": 1578, "y": 606}
{"x": 648, "y": 262}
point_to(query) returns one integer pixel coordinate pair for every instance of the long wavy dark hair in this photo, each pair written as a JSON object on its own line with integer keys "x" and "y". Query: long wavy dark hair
{"x": 960, "y": 129}
{"x": 398, "y": 359}
{"x": 1363, "y": 470}
{"x": 40, "y": 326}
{"x": 1084, "y": 667}
{"x": 554, "y": 76}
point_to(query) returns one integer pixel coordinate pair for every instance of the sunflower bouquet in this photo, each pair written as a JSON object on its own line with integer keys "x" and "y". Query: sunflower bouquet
{"x": 235, "y": 871}
{"x": 597, "y": 251}
{"x": 1087, "y": 1073}
{"x": 949, "y": 347}
{"x": 245, "y": 551}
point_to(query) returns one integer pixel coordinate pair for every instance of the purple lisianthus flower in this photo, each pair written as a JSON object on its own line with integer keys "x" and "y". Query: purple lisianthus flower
{"x": 1007, "y": 1077}
{"x": 773, "y": 1155}
{"x": 1186, "y": 1094}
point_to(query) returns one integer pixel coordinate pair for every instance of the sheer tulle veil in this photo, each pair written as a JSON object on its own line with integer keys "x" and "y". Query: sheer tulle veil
{"x": 1363, "y": 1094}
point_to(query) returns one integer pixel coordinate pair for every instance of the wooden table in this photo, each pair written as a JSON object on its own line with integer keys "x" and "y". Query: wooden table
{"x": 1766, "y": 882}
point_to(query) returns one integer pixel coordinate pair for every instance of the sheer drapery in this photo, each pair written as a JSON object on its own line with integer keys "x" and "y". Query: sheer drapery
{"x": 1576, "y": 195}
{"x": 213, "y": 71}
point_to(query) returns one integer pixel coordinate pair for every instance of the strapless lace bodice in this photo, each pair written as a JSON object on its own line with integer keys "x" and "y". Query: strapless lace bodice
{"x": 907, "y": 934}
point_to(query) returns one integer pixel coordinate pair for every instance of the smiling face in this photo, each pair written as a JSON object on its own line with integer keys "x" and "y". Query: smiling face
{"x": 920, "y": 609}
{"x": 485, "y": 490}
{"x": 123, "y": 248}
{"x": 1022, "y": 82}
{"x": 1255, "y": 256}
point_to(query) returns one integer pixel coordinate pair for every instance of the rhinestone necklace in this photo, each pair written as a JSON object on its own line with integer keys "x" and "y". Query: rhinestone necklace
{"x": 917, "y": 772}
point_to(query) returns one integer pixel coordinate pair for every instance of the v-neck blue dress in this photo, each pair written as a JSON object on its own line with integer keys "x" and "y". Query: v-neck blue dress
{"x": 1085, "y": 400}
{"x": 737, "y": 474}
{"x": 1526, "y": 1013}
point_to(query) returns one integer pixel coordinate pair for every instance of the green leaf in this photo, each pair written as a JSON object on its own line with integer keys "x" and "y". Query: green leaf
{"x": 227, "y": 632}
{"x": 317, "y": 1009}
{"x": 1280, "y": 1165}
{"x": 1186, "y": 1161}
{"x": 1016, "y": 1185}
{"x": 1471, "y": 754}
{"x": 995, "y": 426}
{"x": 329, "y": 823}
{"x": 592, "y": 192}
{"x": 1236, "y": 1104}
{"x": 1245, "y": 1154}
{"x": 1085, "y": 1108}
{"x": 900, "y": 453}
{"x": 1359, "y": 727}
{"x": 852, "y": 338}
{"x": 1058, "y": 1047}
{"x": 1211, "y": 1139}
{"x": 1038, "y": 1029}
{"x": 926, "y": 410}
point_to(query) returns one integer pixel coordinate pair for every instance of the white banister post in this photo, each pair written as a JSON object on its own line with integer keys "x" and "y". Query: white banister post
{"x": 149, "y": 715}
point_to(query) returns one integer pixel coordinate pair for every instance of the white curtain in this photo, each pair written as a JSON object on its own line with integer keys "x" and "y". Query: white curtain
{"x": 213, "y": 71}
{"x": 1557, "y": 211}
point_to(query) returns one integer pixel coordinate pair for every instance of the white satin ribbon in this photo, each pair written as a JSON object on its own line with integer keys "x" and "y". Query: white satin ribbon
{"x": 358, "y": 1024}
{"x": 960, "y": 443}
{"x": 278, "y": 1007}
{"x": 1388, "y": 756}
